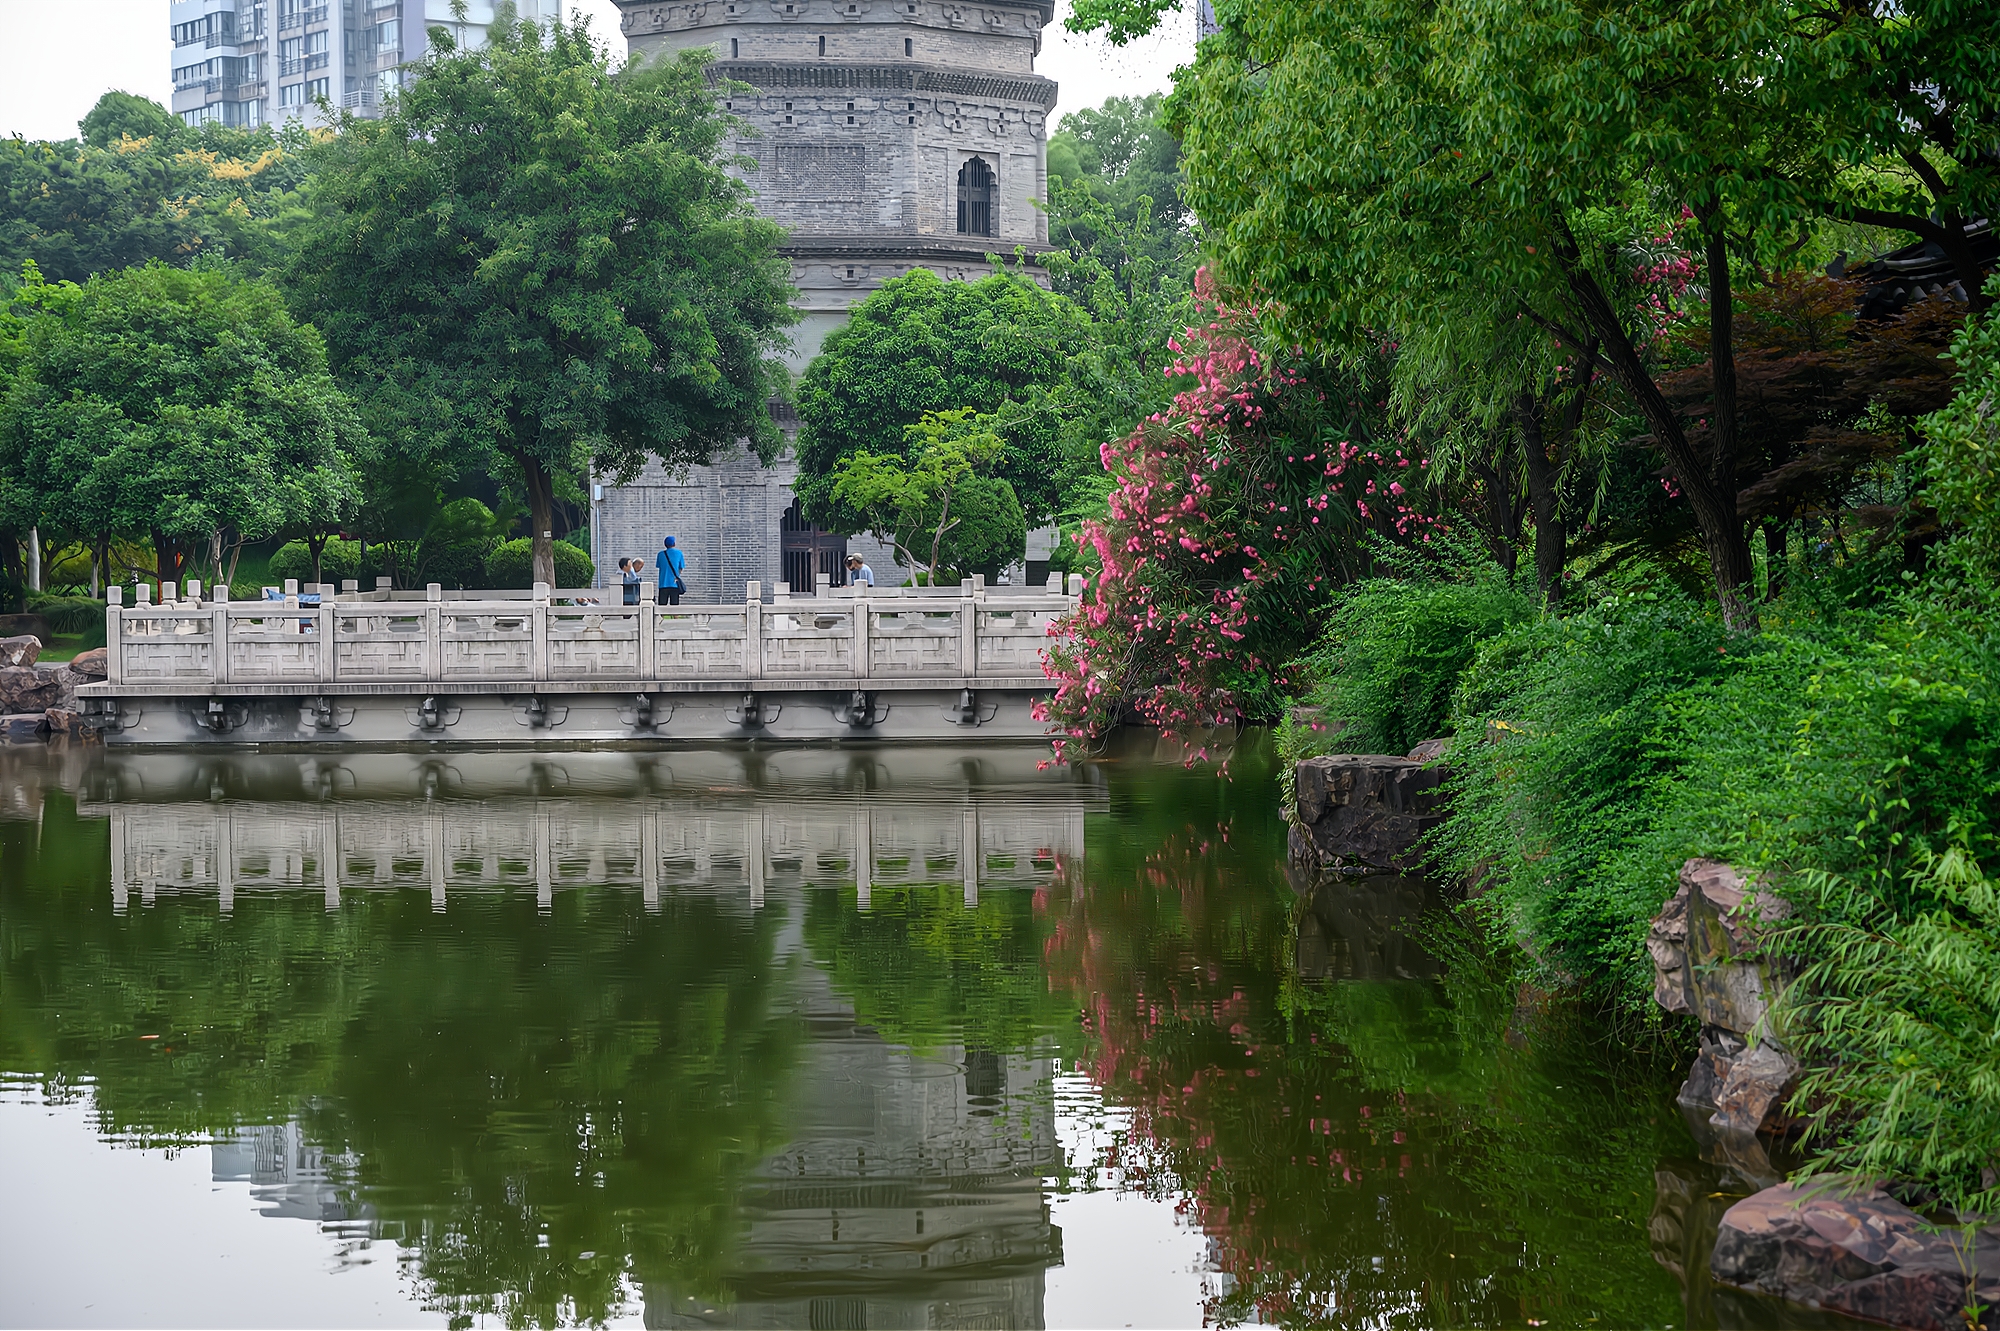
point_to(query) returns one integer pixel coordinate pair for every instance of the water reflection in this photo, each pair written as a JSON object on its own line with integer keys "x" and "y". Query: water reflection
{"x": 797, "y": 1038}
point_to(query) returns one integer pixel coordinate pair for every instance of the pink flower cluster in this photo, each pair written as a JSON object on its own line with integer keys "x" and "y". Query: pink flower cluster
{"x": 1233, "y": 515}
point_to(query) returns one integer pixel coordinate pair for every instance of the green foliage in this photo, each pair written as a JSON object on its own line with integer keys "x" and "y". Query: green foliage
{"x": 534, "y": 261}
{"x": 338, "y": 560}
{"x": 512, "y": 565}
{"x": 1898, "y": 1020}
{"x": 69, "y": 614}
{"x": 142, "y": 186}
{"x": 1392, "y": 655}
{"x": 187, "y": 405}
{"x": 999, "y": 346}
{"x": 1123, "y": 153}
{"x": 121, "y": 115}
{"x": 1962, "y": 462}
{"x": 934, "y": 505}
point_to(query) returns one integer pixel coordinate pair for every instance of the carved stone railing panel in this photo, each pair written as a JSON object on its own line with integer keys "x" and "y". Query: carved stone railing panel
{"x": 380, "y": 646}
{"x": 915, "y": 641}
{"x": 496, "y": 644}
{"x": 800, "y": 640}
{"x": 696, "y": 643}
{"x": 167, "y": 645}
{"x": 594, "y": 643}
{"x": 266, "y": 647}
{"x": 1011, "y": 642}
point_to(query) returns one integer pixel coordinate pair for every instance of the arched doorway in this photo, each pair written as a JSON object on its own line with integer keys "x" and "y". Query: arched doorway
{"x": 975, "y": 198}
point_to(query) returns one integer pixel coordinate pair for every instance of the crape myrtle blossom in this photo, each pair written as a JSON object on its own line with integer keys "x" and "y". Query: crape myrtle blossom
{"x": 1233, "y": 516}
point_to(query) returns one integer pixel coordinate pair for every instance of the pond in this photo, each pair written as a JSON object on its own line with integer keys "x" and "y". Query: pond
{"x": 861, "y": 1037}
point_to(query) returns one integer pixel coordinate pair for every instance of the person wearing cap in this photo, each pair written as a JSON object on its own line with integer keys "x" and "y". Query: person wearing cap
{"x": 672, "y": 565}
{"x": 858, "y": 573}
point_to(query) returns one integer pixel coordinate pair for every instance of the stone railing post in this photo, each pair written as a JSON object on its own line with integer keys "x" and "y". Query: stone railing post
{"x": 218, "y": 634}
{"x": 753, "y": 630}
{"x": 541, "y": 647}
{"x": 646, "y": 620}
{"x": 861, "y": 652}
{"x": 114, "y": 634}
{"x": 968, "y": 628}
{"x": 323, "y": 623}
{"x": 433, "y": 631}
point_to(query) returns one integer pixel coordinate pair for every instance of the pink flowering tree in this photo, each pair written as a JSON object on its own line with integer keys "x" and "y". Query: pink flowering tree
{"x": 1233, "y": 516}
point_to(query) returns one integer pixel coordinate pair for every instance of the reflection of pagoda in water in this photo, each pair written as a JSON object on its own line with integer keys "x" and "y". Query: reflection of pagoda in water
{"x": 910, "y": 1194}
{"x": 909, "y": 1191}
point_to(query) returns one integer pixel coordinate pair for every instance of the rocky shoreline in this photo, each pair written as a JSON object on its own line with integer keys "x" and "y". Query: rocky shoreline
{"x": 38, "y": 699}
{"x": 1847, "y": 1246}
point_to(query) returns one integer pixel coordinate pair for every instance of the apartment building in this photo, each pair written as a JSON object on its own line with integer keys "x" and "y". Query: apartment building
{"x": 255, "y": 62}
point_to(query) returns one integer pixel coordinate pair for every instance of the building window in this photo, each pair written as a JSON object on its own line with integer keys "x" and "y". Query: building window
{"x": 822, "y": 46}
{"x": 291, "y": 94}
{"x": 909, "y": 46}
{"x": 975, "y": 198}
{"x": 388, "y": 34}
{"x": 318, "y": 88}
{"x": 735, "y": 48}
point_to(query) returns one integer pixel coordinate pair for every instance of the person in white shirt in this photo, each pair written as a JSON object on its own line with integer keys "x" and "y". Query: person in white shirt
{"x": 858, "y": 573}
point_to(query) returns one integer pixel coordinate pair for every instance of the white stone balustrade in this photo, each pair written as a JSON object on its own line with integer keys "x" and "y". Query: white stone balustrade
{"x": 959, "y": 633}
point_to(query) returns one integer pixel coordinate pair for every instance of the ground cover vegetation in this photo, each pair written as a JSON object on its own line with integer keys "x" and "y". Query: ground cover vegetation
{"x": 1702, "y": 560}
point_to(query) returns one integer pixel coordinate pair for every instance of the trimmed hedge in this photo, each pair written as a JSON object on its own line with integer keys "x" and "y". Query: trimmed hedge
{"x": 512, "y": 565}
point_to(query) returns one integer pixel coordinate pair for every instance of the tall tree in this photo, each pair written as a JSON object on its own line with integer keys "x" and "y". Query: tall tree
{"x": 186, "y": 405}
{"x": 1000, "y": 346}
{"x": 537, "y": 260}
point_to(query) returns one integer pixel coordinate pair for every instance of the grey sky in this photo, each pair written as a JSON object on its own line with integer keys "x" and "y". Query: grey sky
{"x": 67, "y": 53}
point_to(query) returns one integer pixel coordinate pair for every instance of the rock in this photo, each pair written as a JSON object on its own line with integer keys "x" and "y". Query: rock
{"x": 1429, "y": 751}
{"x": 93, "y": 664}
{"x": 22, "y": 651}
{"x": 24, "y": 727}
{"x": 1866, "y": 1255}
{"x": 1364, "y": 811}
{"x": 28, "y": 689}
{"x": 62, "y": 721}
{"x": 1708, "y": 946}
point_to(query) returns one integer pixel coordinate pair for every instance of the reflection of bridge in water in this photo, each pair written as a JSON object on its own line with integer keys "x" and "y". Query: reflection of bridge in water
{"x": 909, "y": 1191}
{"x": 711, "y": 821}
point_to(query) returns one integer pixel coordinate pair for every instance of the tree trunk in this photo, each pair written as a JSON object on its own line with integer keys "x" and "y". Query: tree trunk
{"x": 1551, "y": 537}
{"x": 316, "y": 547}
{"x": 1502, "y": 522}
{"x": 13, "y": 567}
{"x": 1713, "y": 504}
{"x": 34, "y": 559}
{"x": 169, "y": 558}
{"x": 541, "y": 506}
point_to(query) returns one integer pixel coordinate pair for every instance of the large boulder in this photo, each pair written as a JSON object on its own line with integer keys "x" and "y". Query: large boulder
{"x": 24, "y": 727}
{"x": 23, "y": 650}
{"x": 1712, "y": 960}
{"x": 93, "y": 664}
{"x": 28, "y": 689}
{"x": 1364, "y": 811}
{"x": 1866, "y": 1255}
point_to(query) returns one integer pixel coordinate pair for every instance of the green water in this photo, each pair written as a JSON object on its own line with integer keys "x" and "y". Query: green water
{"x": 826, "y": 1038}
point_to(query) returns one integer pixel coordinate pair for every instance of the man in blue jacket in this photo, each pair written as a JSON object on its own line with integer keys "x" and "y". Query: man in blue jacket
{"x": 672, "y": 565}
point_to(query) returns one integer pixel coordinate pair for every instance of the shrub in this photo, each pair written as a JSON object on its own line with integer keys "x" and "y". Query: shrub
{"x": 512, "y": 564}
{"x": 68, "y": 614}
{"x": 339, "y": 561}
{"x": 1392, "y": 654}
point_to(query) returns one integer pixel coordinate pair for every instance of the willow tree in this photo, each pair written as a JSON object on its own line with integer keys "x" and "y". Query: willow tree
{"x": 539, "y": 261}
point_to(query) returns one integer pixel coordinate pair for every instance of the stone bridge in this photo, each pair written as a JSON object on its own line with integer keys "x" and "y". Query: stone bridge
{"x": 564, "y": 667}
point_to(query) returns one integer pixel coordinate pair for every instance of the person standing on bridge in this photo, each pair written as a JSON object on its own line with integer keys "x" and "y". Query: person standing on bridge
{"x": 672, "y": 565}
{"x": 858, "y": 573}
